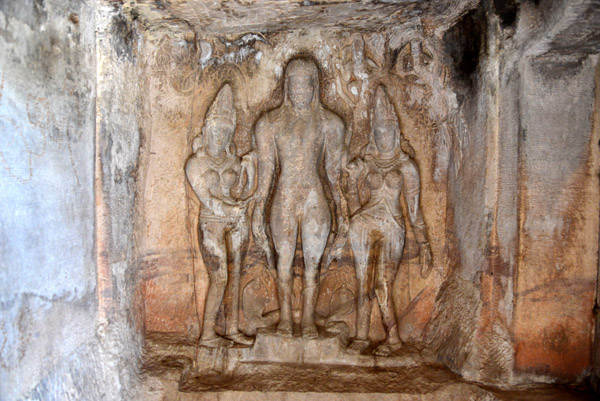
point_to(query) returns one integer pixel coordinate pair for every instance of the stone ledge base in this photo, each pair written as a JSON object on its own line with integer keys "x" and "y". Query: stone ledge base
{"x": 276, "y": 363}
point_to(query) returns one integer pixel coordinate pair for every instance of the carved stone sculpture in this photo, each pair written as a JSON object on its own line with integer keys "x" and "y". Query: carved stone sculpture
{"x": 376, "y": 182}
{"x": 294, "y": 140}
{"x": 224, "y": 184}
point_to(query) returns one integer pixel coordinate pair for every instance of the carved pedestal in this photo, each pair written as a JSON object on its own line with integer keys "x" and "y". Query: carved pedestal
{"x": 277, "y": 363}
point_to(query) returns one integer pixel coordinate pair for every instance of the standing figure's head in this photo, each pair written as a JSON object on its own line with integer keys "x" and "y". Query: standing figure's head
{"x": 219, "y": 124}
{"x": 301, "y": 83}
{"x": 384, "y": 123}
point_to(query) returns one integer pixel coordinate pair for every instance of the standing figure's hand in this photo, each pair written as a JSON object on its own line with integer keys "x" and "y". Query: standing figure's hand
{"x": 354, "y": 169}
{"x": 425, "y": 259}
{"x": 249, "y": 166}
{"x": 336, "y": 250}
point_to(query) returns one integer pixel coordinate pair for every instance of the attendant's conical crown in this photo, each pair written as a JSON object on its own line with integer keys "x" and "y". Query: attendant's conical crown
{"x": 383, "y": 113}
{"x": 222, "y": 109}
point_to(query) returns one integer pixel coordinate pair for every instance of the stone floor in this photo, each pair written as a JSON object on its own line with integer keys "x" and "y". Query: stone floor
{"x": 180, "y": 372}
{"x": 165, "y": 387}
{"x": 547, "y": 393}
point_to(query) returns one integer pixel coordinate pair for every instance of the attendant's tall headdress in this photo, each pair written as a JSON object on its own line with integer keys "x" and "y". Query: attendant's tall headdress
{"x": 222, "y": 109}
{"x": 383, "y": 114}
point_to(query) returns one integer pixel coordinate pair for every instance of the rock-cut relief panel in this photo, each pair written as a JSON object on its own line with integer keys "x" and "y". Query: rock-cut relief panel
{"x": 305, "y": 237}
{"x": 377, "y": 232}
{"x": 299, "y": 188}
{"x": 224, "y": 184}
{"x": 293, "y": 140}
{"x": 311, "y": 198}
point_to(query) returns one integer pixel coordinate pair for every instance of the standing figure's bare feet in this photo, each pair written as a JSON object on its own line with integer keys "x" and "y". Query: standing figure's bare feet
{"x": 357, "y": 346}
{"x": 215, "y": 342}
{"x": 241, "y": 338}
{"x": 309, "y": 330}
{"x": 285, "y": 328}
{"x": 386, "y": 349}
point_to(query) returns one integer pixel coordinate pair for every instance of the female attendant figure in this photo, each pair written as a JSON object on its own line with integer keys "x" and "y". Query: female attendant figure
{"x": 223, "y": 183}
{"x": 377, "y": 231}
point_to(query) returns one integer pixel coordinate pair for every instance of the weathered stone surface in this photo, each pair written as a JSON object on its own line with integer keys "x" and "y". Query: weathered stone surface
{"x": 509, "y": 324}
{"x": 102, "y": 104}
{"x": 442, "y": 388}
{"x": 559, "y": 217}
{"x": 233, "y": 17}
{"x": 155, "y": 390}
{"x": 58, "y": 337}
{"x": 47, "y": 275}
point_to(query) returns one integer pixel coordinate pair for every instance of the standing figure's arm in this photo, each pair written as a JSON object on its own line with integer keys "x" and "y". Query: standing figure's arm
{"x": 335, "y": 159}
{"x": 412, "y": 192}
{"x": 266, "y": 169}
{"x": 356, "y": 171}
{"x": 249, "y": 165}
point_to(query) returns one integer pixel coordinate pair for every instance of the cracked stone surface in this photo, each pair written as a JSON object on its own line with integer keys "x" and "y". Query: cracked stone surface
{"x": 103, "y": 282}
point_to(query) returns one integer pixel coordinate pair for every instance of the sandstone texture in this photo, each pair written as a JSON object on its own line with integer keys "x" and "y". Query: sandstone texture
{"x": 188, "y": 188}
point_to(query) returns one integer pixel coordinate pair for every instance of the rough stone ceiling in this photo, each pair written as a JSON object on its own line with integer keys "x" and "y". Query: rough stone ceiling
{"x": 235, "y": 16}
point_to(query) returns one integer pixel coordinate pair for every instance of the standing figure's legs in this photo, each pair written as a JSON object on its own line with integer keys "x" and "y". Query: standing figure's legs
{"x": 238, "y": 244}
{"x": 284, "y": 230}
{"x": 214, "y": 254}
{"x": 390, "y": 254}
{"x": 361, "y": 242}
{"x": 316, "y": 223}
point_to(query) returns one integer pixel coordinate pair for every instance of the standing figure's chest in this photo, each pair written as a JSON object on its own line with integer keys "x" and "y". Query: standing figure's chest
{"x": 299, "y": 138}
{"x": 380, "y": 178}
{"x": 221, "y": 177}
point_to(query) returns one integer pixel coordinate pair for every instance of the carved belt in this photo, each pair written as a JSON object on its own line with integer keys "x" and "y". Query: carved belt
{"x": 221, "y": 219}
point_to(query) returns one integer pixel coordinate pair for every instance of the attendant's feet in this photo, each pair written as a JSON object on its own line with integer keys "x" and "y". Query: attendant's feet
{"x": 357, "y": 346}
{"x": 386, "y": 349}
{"x": 285, "y": 328}
{"x": 309, "y": 330}
{"x": 215, "y": 342}
{"x": 241, "y": 339}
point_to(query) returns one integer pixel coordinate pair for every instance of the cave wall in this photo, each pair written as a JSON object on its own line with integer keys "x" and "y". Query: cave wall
{"x": 509, "y": 72}
{"x": 516, "y": 196}
{"x": 97, "y": 240}
{"x": 549, "y": 244}
{"x": 47, "y": 240}
{"x": 67, "y": 116}
{"x": 556, "y": 274}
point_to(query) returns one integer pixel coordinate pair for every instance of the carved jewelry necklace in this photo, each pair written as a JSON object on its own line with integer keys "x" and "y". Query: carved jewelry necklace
{"x": 387, "y": 163}
{"x": 217, "y": 162}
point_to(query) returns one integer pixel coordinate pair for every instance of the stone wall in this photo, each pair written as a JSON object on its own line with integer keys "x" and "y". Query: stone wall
{"x": 47, "y": 155}
{"x": 99, "y": 107}
{"x": 67, "y": 151}
{"x": 516, "y": 200}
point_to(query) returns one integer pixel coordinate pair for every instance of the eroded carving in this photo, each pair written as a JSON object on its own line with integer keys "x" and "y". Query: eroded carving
{"x": 303, "y": 186}
{"x": 376, "y": 182}
{"x": 293, "y": 140}
{"x": 224, "y": 184}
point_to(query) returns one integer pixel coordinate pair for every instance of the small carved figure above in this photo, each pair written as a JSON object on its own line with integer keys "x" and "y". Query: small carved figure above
{"x": 224, "y": 184}
{"x": 293, "y": 140}
{"x": 377, "y": 233}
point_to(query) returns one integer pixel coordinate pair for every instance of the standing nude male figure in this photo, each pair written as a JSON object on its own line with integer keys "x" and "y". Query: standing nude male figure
{"x": 294, "y": 140}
